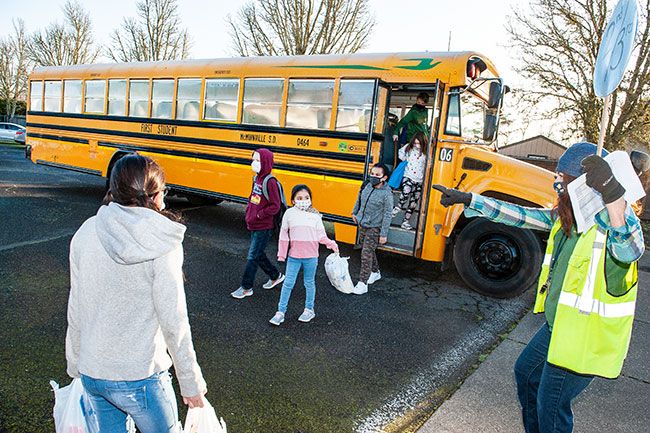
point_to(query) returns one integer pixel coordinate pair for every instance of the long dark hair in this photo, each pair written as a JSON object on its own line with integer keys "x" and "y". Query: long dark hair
{"x": 563, "y": 208}
{"x": 419, "y": 136}
{"x": 135, "y": 180}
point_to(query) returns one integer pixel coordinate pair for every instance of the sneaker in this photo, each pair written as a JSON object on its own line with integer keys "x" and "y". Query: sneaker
{"x": 307, "y": 315}
{"x": 272, "y": 283}
{"x": 360, "y": 288}
{"x": 374, "y": 277}
{"x": 406, "y": 226}
{"x": 277, "y": 319}
{"x": 396, "y": 210}
{"x": 241, "y": 293}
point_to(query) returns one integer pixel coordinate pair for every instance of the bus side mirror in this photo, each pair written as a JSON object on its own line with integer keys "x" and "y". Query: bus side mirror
{"x": 496, "y": 93}
{"x": 490, "y": 126}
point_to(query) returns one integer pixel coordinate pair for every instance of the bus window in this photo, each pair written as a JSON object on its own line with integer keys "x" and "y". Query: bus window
{"x": 139, "y": 98}
{"x": 263, "y": 101}
{"x": 94, "y": 96}
{"x": 452, "y": 126}
{"x": 472, "y": 111}
{"x": 117, "y": 97}
{"x": 52, "y": 96}
{"x": 309, "y": 104}
{"x": 188, "y": 96}
{"x": 221, "y": 99}
{"x": 161, "y": 99}
{"x": 72, "y": 96}
{"x": 36, "y": 96}
{"x": 355, "y": 105}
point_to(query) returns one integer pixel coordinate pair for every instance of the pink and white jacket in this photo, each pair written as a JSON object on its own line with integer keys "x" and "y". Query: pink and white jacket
{"x": 301, "y": 234}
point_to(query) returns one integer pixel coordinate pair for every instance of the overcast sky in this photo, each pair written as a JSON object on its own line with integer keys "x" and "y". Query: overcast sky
{"x": 402, "y": 25}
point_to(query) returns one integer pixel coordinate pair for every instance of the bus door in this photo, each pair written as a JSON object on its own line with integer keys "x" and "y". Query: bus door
{"x": 402, "y": 97}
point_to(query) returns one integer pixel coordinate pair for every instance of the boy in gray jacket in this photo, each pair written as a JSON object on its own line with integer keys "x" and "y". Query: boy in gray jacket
{"x": 372, "y": 213}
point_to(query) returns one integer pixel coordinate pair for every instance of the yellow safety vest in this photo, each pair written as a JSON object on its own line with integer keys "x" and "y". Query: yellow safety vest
{"x": 592, "y": 329}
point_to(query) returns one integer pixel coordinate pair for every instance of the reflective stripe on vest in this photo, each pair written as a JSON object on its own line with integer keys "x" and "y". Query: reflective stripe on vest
{"x": 592, "y": 329}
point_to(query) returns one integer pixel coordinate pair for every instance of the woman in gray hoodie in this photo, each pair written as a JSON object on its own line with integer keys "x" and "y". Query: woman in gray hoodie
{"x": 127, "y": 315}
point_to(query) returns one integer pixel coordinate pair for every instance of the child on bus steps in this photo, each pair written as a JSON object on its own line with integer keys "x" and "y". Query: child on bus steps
{"x": 301, "y": 234}
{"x": 415, "y": 155}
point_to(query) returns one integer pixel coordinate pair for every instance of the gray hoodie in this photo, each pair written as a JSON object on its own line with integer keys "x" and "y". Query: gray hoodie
{"x": 127, "y": 306}
{"x": 374, "y": 208}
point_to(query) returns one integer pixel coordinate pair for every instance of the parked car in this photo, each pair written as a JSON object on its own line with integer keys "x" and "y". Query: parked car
{"x": 8, "y": 131}
{"x": 20, "y": 136}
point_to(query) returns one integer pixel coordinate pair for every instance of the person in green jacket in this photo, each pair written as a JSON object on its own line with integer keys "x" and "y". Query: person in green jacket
{"x": 578, "y": 341}
{"x": 415, "y": 120}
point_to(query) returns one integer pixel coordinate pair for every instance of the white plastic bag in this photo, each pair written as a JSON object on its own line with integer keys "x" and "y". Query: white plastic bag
{"x": 204, "y": 420}
{"x": 336, "y": 268}
{"x": 68, "y": 413}
{"x": 68, "y": 409}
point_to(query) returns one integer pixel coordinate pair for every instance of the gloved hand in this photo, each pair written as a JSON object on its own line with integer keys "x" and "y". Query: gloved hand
{"x": 452, "y": 196}
{"x": 600, "y": 177}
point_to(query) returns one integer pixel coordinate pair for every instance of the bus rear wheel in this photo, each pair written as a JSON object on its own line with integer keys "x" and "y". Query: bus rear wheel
{"x": 497, "y": 260}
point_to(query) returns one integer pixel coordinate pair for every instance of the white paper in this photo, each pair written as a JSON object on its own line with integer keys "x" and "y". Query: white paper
{"x": 587, "y": 202}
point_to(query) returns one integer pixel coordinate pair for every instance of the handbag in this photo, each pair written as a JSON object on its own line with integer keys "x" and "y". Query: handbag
{"x": 398, "y": 174}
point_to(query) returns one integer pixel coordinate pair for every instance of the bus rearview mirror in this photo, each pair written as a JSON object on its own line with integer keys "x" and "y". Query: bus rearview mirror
{"x": 490, "y": 127}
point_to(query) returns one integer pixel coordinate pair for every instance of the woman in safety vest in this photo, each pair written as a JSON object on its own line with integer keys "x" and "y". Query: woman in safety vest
{"x": 587, "y": 289}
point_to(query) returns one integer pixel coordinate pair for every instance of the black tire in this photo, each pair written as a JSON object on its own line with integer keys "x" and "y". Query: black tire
{"x": 497, "y": 260}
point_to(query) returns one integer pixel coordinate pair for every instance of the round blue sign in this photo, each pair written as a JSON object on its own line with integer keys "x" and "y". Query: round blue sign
{"x": 616, "y": 48}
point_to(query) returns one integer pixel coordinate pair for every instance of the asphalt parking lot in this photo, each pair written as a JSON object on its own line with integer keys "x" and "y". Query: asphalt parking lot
{"x": 382, "y": 361}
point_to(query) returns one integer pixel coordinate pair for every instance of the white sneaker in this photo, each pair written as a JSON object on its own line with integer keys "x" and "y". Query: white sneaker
{"x": 407, "y": 226}
{"x": 277, "y": 319}
{"x": 241, "y": 293}
{"x": 306, "y": 315}
{"x": 360, "y": 288}
{"x": 396, "y": 210}
{"x": 374, "y": 277}
{"x": 272, "y": 283}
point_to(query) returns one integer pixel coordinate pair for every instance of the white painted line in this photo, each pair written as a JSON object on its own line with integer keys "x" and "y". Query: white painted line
{"x": 37, "y": 241}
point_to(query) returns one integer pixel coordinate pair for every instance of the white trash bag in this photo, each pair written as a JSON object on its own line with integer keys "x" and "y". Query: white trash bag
{"x": 68, "y": 409}
{"x": 204, "y": 420}
{"x": 336, "y": 268}
{"x": 68, "y": 413}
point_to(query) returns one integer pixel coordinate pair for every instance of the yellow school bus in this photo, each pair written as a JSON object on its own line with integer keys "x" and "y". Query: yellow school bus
{"x": 325, "y": 119}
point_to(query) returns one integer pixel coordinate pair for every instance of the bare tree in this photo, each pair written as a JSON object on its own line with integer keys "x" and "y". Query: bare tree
{"x": 156, "y": 34}
{"x": 14, "y": 66}
{"x": 290, "y": 27}
{"x": 70, "y": 43}
{"x": 557, "y": 43}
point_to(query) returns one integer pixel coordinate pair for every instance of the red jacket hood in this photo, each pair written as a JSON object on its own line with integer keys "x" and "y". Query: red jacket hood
{"x": 266, "y": 161}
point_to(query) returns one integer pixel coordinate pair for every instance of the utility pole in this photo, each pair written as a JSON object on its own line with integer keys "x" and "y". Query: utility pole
{"x": 449, "y": 42}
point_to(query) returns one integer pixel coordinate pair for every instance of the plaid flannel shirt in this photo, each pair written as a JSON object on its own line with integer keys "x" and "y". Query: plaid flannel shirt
{"x": 624, "y": 243}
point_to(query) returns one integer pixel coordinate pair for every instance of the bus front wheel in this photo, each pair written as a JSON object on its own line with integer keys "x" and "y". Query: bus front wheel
{"x": 497, "y": 260}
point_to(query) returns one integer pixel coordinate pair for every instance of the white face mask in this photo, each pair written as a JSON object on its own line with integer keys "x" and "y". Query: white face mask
{"x": 162, "y": 206}
{"x": 303, "y": 204}
{"x": 256, "y": 166}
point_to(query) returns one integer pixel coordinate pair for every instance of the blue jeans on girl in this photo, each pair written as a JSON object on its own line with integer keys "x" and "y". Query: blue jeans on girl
{"x": 309, "y": 278}
{"x": 546, "y": 391}
{"x": 151, "y": 402}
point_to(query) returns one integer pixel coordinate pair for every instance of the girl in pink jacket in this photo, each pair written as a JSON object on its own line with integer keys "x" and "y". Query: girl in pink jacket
{"x": 301, "y": 234}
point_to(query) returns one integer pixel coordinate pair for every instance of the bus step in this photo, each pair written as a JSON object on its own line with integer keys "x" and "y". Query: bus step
{"x": 397, "y": 219}
{"x": 400, "y": 238}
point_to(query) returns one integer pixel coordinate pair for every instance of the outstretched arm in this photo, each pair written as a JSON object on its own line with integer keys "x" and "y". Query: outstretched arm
{"x": 497, "y": 210}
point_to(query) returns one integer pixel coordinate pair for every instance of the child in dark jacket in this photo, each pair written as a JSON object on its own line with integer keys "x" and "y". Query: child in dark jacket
{"x": 260, "y": 214}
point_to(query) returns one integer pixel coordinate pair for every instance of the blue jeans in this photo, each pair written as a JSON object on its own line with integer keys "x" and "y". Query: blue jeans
{"x": 546, "y": 391}
{"x": 150, "y": 402}
{"x": 257, "y": 257}
{"x": 309, "y": 278}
